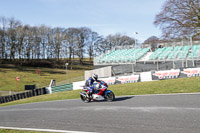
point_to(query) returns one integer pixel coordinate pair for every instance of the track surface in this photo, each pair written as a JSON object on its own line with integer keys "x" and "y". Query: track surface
{"x": 139, "y": 114}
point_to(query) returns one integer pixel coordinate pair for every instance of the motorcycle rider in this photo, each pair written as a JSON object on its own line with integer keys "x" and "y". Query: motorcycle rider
{"x": 89, "y": 84}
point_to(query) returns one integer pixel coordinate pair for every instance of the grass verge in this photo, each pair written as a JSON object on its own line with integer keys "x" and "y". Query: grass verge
{"x": 17, "y": 131}
{"x": 180, "y": 85}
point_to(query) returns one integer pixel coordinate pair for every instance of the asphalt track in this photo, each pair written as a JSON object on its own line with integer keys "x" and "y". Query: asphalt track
{"x": 128, "y": 114}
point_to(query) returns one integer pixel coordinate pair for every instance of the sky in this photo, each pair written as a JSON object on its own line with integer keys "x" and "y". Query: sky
{"x": 102, "y": 16}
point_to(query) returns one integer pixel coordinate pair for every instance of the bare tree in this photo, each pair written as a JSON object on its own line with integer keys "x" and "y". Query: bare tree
{"x": 99, "y": 46}
{"x": 50, "y": 42}
{"x": 28, "y": 42}
{"x": 20, "y": 32}
{"x": 58, "y": 37}
{"x": 12, "y": 36}
{"x": 43, "y": 31}
{"x": 93, "y": 40}
{"x": 3, "y": 35}
{"x": 71, "y": 41}
{"x": 83, "y": 38}
{"x": 153, "y": 42}
{"x": 179, "y": 18}
{"x": 118, "y": 40}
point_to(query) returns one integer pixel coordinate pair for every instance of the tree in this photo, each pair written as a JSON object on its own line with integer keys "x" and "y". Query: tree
{"x": 43, "y": 31}
{"x": 12, "y": 36}
{"x": 82, "y": 39}
{"x": 99, "y": 46}
{"x": 28, "y": 42}
{"x": 153, "y": 42}
{"x": 21, "y": 33}
{"x": 3, "y": 35}
{"x": 50, "y": 43}
{"x": 118, "y": 40}
{"x": 36, "y": 50}
{"x": 58, "y": 38}
{"x": 179, "y": 18}
{"x": 70, "y": 43}
{"x": 93, "y": 40}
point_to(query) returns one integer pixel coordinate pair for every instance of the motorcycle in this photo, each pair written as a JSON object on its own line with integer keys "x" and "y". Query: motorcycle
{"x": 100, "y": 93}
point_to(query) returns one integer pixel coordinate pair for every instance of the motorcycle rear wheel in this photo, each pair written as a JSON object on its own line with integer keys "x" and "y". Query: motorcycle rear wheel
{"x": 85, "y": 99}
{"x": 110, "y": 97}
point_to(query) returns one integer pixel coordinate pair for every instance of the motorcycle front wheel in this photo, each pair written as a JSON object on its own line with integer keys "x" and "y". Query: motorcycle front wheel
{"x": 110, "y": 97}
{"x": 85, "y": 99}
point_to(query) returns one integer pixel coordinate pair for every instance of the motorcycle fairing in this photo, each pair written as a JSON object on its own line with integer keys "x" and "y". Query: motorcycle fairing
{"x": 107, "y": 91}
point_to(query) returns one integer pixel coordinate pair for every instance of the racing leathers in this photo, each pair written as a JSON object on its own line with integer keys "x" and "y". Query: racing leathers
{"x": 89, "y": 85}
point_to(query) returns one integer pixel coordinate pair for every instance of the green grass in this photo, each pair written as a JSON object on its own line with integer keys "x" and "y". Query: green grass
{"x": 48, "y": 97}
{"x": 181, "y": 85}
{"x": 28, "y": 76}
{"x": 17, "y": 131}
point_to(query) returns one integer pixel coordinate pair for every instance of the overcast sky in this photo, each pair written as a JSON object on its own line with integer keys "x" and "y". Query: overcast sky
{"x": 103, "y": 16}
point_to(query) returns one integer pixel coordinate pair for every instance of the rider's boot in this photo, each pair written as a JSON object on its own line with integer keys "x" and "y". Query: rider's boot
{"x": 90, "y": 94}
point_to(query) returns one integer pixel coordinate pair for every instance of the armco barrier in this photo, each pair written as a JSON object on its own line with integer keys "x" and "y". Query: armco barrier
{"x": 22, "y": 95}
{"x": 63, "y": 87}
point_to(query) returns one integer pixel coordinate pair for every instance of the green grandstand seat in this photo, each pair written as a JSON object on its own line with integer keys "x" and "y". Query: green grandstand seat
{"x": 123, "y": 55}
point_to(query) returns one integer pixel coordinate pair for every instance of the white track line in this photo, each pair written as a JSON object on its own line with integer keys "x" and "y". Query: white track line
{"x": 44, "y": 130}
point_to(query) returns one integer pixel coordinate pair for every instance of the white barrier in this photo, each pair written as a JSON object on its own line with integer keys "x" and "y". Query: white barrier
{"x": 101, "y": 72}
{"x": 78, "y": 85}
{"x": 191, "y": 72}
{"x": 128, "y": 79}
{"x": 167, "y": 74}
{"x": 174, "y": 73}
{"x": 109, "y": 81}
{"x": 145, "y": 76}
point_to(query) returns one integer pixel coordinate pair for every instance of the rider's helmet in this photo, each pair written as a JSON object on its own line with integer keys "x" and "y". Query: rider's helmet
{"x": 95, "y": 77}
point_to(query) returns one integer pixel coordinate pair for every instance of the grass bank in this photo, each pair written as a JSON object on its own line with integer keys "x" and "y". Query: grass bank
{"x": 29, "y": 76}
{"x": 17, "y": 131}
{"x": 182, "y": 85}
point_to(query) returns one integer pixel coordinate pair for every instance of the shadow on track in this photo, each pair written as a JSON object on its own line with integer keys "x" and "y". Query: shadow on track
{"x": 122, "y": 98}
{"x": 117, "y": 99}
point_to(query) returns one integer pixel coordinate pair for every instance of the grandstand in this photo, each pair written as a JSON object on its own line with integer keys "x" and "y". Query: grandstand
{"x": 122, "y": 56}
{"x": 142, "y": 59}
{"x": 176, "y": 53}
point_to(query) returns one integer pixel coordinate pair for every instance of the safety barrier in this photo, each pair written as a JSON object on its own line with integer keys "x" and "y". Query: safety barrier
{"x": 23, "y": 95}
{"x": 146, "y": 76}
{"x": 63, "y": 87}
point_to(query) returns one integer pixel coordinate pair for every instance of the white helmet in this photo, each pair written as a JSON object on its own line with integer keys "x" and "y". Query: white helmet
{"x": 95, "y": 77}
